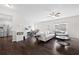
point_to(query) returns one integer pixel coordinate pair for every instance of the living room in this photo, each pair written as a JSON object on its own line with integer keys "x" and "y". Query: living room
{"x": 41, "y": 27}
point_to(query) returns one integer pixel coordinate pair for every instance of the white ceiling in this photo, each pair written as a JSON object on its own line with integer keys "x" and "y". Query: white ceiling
{"x": 40, "y": 12}
{"x": 33, "y": 9}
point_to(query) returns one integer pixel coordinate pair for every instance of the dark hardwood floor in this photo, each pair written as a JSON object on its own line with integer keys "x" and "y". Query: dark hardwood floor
{"x": 7, "y": 47}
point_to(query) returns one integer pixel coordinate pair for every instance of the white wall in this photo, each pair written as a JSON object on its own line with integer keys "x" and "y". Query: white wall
{"x": 73, "y": 25}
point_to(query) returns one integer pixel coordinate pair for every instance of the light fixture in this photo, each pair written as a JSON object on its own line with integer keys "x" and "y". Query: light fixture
{"x": 54, "y": 14}
{"x": 9, "y": 5}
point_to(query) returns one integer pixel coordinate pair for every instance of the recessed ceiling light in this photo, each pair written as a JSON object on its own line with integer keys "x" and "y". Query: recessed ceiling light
{"x": 9, "y": 5}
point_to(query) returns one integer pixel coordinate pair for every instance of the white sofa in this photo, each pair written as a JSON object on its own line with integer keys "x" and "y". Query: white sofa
{"x": 62, "y": 35}
{"x": 45, "y": 36}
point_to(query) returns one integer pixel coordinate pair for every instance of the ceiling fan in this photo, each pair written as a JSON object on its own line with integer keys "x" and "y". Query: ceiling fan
{"x": 54, "y": 14}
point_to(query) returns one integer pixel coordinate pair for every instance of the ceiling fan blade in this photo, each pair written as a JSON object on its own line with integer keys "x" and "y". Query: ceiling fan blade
{"x": 52, "y": 14}
{"x": 57, "y": 14}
